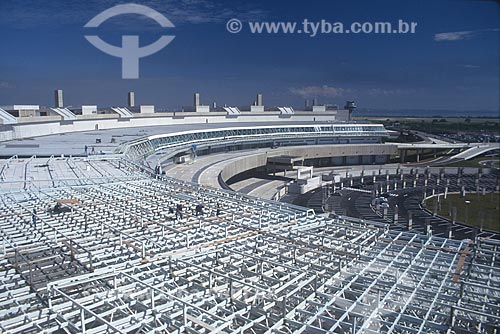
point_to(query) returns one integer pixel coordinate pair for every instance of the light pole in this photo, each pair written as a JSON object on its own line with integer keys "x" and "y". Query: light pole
{"x": 466, "y": 211}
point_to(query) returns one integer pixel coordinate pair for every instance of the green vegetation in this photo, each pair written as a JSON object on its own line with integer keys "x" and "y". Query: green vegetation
{"x": 440, "y": 125}
{"x": 481, "y": 209}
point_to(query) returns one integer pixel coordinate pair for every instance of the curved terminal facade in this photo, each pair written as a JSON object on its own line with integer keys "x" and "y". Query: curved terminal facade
{"x": 248, "y": 137}
{"x": 99, "y": 245}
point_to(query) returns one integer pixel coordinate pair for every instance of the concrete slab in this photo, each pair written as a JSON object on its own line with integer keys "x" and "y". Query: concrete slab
{"x": 74, "y": 143}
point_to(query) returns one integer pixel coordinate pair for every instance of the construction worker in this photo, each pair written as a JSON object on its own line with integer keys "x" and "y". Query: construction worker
{"x": 178, "y": 211}
{"x": 199, "y": 209}
{"x": 33, "y": 217}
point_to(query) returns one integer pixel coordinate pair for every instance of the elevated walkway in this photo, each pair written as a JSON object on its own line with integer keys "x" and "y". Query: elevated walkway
{"x": 65, "y": 113}
{"x": 286, "y": 110}
{"x": 7, "y": 118}
{"x": 476, "y": 151}
{"x": 123, "y": 112}
{"x": 232, "y": 110}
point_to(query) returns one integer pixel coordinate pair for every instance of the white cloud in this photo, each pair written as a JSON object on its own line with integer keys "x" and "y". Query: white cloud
{"x": 459, "y": 35}
{"x": 5, "y": 84}
{"x": 453, "y": 36}
{"x": 389, "y": 92}
{"x": 75, "y": 12}
{"x": 468, "y": 66}
{"x": 320, "y": 91}
{"x": 332, "y": 92}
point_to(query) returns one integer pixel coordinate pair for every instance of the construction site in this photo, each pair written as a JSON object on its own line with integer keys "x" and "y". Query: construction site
{"x": 249, "y": 167}
{"x": 92, "y": 245}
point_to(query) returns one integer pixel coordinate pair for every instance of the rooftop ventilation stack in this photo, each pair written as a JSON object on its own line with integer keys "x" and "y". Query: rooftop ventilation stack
{"x": 196, "y": 99}
{"x": 58, "y": 95}
{"x": 131, "y": 99}
{"x": 257, "y": 106}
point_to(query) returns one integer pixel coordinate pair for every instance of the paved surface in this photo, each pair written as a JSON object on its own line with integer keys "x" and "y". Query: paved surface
{"x": 206, "y": 169}
{"x": 47, "y": 172}
{"x": 74, "y": 143}
{"x": 476, "y": 151}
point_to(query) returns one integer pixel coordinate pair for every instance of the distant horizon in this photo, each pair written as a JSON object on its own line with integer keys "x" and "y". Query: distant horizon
{"x": 429, "y": 113}
{"x": 361, "y": 111}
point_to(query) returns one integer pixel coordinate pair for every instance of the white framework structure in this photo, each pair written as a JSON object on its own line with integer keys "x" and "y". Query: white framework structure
{"x": 118, "y": 262}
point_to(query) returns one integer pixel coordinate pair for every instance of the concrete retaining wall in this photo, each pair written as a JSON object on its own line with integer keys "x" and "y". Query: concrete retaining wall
{"x": 352, "y": 152}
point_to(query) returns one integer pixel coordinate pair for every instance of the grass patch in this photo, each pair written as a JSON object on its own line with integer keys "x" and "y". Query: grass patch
{"x": 440, "y": 125}
{"x": 482, "y": 209}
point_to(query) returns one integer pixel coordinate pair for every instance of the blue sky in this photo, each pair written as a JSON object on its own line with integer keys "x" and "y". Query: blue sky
{"x": 451, "y": 62}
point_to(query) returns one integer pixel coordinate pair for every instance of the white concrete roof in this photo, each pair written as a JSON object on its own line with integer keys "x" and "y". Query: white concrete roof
{"x": 22, "y": 107}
